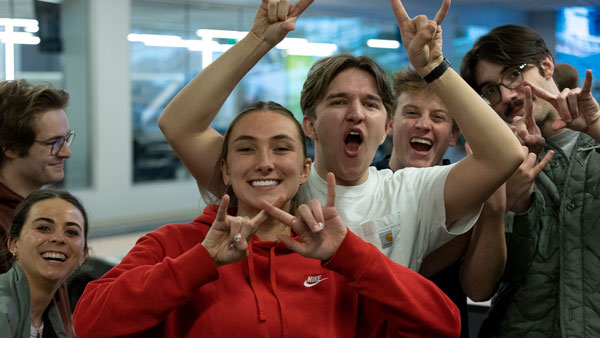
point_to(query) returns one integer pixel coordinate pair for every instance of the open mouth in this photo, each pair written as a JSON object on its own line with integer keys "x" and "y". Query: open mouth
{"x": 420, "y": 144}
{"x": 54, "y": 256}
{"x": 353, "y": 141}
{"x": 264, "y": 183}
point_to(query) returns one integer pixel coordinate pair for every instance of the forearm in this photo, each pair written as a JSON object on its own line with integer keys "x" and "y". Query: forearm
{"x": 492, "y": 142}
{"x": 485, "y": 257}
{"x": 139, "y": 293}
{"x": 412, "y": 305}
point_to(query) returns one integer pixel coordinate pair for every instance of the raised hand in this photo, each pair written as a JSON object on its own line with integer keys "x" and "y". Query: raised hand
{"x": 227, "y": 239}
{"x": 577, "y": 108}
{"x": 320, "y": 229}
{"x": 275, "y": 19}
{"x": 421, "y": 37}
{"x": 519, "y": 186}
{"x": 526, "y": 129}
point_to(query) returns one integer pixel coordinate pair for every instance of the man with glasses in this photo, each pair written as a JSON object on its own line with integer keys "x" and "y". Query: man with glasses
{"x": 551, "y": 279}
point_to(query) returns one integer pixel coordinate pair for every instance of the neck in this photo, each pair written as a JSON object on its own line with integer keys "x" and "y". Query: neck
{"x": 40, "y": 296}
{"x": 270, "y": 228}
{"x": 16, "y": 182}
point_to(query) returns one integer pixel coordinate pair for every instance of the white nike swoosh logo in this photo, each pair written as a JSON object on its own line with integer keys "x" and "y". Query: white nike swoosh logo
{"x": 309, "y": 284}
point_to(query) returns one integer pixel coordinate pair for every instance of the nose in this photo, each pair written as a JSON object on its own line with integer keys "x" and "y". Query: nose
{"x": 65, "y": 151}
{"x": 356, "y": 113}
{"x": 58, "y": 237}
{"x": 509, "y": 95}
{"x": 264, "y": 161}
{"x": 423, "y": 122}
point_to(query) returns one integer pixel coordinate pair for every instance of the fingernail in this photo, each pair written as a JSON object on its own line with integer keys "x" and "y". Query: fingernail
{"x": 230, "y": 245}
{"x": 318, "y": 226}
{"x": 237, "y": 238}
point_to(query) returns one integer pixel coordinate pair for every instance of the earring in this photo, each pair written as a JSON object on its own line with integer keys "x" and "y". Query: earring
{"x": 15, "y": 257}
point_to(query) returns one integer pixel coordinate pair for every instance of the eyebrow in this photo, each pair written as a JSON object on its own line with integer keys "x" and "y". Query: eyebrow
{"x": 345, "y": 95}
{"x": 50, "y": 220}
{"x": 252, "y": 138}
{"x": 483, "y": 84}
{"x": 54, "y": 138}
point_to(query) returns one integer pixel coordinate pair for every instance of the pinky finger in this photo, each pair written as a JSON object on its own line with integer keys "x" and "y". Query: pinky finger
{"x": 542, "y": 164}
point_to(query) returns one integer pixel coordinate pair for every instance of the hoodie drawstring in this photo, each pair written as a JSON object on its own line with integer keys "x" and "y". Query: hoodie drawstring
{"x": 276, "y": 291}
{"x": 259, "y": 305}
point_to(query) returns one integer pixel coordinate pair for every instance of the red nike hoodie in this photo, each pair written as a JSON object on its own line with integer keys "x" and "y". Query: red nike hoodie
{"x": 168, "y": 285}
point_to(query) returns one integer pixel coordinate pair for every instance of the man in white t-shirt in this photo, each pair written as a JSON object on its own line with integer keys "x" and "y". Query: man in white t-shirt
{"x": 346, "y": 102}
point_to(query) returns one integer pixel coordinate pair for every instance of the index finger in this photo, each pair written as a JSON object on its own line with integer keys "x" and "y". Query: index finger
{"x": 330, "y": 202}
{"x": 529, "y": 121}
{"x": 277, "y": 213}
{"x": 222, "y": 211}
{"x": 262, "y": 215}
{"x": 399, "y": 11}
{"x": 441, "y": 14}
{"x": 587, "y": 83}
{"x": 300, "y": 7}
{"x": 540, "y": 92}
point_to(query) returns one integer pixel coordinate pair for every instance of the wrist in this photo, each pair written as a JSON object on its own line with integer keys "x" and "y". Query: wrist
{"x": 435, "y": 72}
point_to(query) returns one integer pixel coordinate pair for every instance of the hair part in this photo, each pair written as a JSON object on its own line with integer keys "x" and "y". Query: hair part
{"x": 508, "y": 45}
{"x": 22, "y": 210}
{"x": 259, "y": 106}
{"x": 322, "y": 73}
{"x": 20, "y": 103}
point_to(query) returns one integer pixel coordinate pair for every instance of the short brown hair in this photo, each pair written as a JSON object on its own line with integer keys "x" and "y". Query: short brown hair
{"x": 407, "y": 80}
{"x": 508, "y": 45}
{"x": 20, "y": 101}
{"x": 325, "y": 70}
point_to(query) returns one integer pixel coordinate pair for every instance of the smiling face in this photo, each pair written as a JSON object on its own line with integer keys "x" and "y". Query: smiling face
{"x": 422, "y": 131}
{"x": 512, "y": 103}
{"x": 350, "y": 125}
{"x": 264, "y": 160}
{"x": 38, "y": 167}
{"x": 51, "y": 243}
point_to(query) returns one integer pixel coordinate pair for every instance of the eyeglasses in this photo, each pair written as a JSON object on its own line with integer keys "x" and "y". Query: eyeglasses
{"x": 511, "y": 79}
{"x": 58, "y": 142}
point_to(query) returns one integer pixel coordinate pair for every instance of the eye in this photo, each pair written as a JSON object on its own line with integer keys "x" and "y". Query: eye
{"x": 72, "y": 232}
{"x": 243, "y": 149}
{"x": 411, "y": 114}
{"x": 371, "y": 105}
{"x": 336, "y": 102}
{"x": 440, "y": 117}
{"x": 43, "y": 227}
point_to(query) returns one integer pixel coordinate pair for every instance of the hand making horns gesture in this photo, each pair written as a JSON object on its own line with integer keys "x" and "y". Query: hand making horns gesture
{"x": 421, "y": 37}
{"x": 275, "y": 19}
{"x": 319, "y": 228}
{"x": 228, "y": 237}
{"x": 577, "y": 108}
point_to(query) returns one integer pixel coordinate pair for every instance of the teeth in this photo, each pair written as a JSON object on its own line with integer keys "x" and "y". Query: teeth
{"x": 264, "y": 183}
{"x": 54, "y": 255}
{"x": 420, "y": 140}
{"x": 354, "y": 133}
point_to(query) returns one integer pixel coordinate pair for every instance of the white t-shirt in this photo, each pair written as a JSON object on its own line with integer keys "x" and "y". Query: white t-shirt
{"x": 402, "y": 213}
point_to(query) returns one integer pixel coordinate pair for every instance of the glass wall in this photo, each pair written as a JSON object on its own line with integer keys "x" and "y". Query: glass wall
{"x": 34, "y": 47}
{"x": 171, "y": 43}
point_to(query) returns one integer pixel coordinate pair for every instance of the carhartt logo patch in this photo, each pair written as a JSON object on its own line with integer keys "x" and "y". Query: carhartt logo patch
{"x": 313, "y": 280}
{"x": 386, "y": 239}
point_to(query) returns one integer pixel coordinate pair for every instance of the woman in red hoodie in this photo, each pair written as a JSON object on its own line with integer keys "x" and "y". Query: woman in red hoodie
{"x": 241, "y": 272}
{"x": 256, "y": 265}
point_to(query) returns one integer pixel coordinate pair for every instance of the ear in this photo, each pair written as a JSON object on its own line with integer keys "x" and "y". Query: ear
{"x": 547, "y": 65}
{"x": 455, "y": 136}
{"x": 305, "y": 171}
{"x": 84, "y": 256}
{"x": 12, "y": 245}
{"x": 10, "y": 154}
{"x": 225, "y": 173}
{"x": 390, "y": 125}
{"x": 308, "y": 125}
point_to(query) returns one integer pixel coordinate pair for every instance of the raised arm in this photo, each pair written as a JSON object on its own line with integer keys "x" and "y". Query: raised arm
{"x": 186, "y": 120}
{"x": 496, "y": 151}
